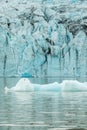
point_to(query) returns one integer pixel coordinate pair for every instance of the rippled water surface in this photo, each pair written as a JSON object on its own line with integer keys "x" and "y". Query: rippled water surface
{"x": 42, "y": 110}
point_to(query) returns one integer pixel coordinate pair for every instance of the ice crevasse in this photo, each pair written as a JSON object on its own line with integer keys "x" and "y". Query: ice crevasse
{"x": 24, "y": 85}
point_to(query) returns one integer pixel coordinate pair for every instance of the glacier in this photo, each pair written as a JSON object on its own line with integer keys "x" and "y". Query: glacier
{"x": 43, "y": 38}
{"x": 24, "y": 85}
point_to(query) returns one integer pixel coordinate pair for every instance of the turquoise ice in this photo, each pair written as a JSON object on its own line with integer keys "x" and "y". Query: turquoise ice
{"x": 43, "y": 38}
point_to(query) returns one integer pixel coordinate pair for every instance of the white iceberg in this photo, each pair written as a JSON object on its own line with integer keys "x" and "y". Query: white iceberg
{"x": 73, "y": 85}
{"x": 24, "y": 85}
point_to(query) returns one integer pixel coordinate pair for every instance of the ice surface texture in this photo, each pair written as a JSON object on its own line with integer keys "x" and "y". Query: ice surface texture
{"x": 24, "y": 85}
{"x": 43, "y": 38}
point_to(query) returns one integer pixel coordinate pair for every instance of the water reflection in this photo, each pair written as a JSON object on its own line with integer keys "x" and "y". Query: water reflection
{"x": 43, "y": 110}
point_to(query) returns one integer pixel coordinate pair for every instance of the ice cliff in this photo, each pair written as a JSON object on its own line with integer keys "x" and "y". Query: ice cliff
{"x": 43, "y": 38}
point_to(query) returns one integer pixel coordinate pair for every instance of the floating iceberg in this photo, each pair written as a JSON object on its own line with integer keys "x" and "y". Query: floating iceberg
{"x": 24, "y": 85}
{"x": 73, "y": 85}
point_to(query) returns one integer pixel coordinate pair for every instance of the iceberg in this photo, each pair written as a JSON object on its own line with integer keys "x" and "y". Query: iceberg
{"x": 24, "y": 85}
{"x": 73, "y": 86}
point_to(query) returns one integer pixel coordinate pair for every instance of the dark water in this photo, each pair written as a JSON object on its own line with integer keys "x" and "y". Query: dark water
{"x": 42, "y": 110}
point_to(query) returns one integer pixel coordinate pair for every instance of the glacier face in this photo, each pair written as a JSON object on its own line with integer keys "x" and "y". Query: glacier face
{"x": 43, "y": 38}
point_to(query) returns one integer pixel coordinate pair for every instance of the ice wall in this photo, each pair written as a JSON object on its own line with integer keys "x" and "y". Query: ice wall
{"x": 43, "y": 38}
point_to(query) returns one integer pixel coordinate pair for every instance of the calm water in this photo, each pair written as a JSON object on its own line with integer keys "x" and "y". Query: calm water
{"x": 42, "y": 110}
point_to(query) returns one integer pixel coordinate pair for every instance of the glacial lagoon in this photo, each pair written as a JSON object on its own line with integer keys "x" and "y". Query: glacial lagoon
{"x": 42, "y": 110}
{"x": 42, "y": 38}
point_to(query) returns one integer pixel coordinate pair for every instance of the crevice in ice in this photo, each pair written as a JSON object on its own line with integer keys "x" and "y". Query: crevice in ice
{"x": 4, "y": 68}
